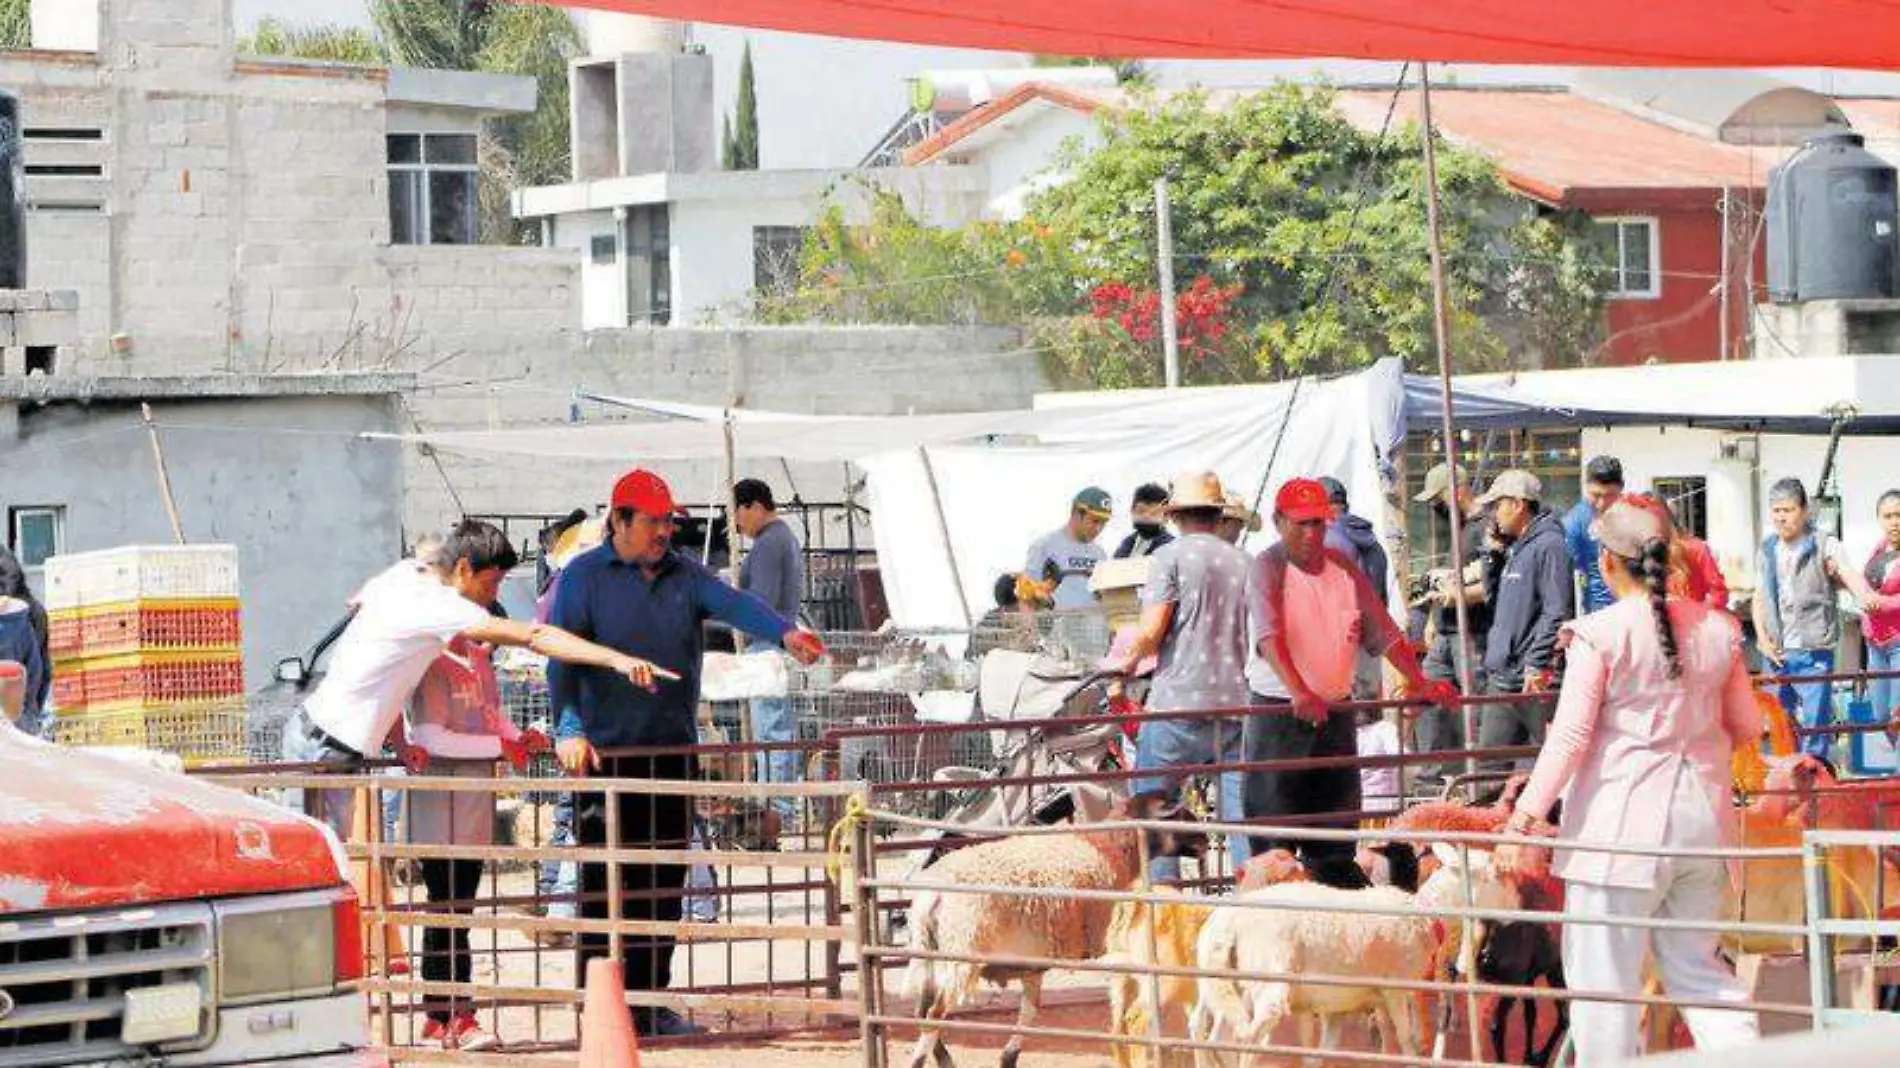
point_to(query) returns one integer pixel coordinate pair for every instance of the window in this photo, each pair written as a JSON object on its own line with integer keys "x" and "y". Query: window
{"x": 1631, "y": 250}
{"x": 1553, "y": 454}
{"x": 432, "y": 189}
{"x": 649, "y": 244}
{"x": 600, "y": 250}
{"x": 775, "y": 254}
{"x": 36, "y": 533}
{"x": 1688, "y": 499}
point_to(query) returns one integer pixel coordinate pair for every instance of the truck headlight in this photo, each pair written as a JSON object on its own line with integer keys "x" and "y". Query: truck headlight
{"x": 283, "y": 946}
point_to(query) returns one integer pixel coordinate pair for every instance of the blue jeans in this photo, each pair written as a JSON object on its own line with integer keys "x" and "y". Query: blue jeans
{"x": 1172, "y": 743}
{"x": 1883, "y": 692}
{"x": 559, "y": 880}
{"x": 774, "y": 721}
{"x": 1810, "y": 703}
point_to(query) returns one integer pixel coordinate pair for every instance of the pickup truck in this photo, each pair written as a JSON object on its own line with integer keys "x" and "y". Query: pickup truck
{"x": 149, "y": 919}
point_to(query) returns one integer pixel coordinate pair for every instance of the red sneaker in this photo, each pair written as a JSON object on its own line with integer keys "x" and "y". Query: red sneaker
{"x": 467, "y": 1035}
{"x": 437, "y": 1032}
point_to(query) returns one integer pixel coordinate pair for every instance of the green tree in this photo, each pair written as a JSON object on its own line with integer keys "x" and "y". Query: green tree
{"x": 725, "y": 142}
{"x": 745, "y": 122}
{"x": 16, "y": 25}
{"x": 331, "y": 43}
{"x": 1321, "y": 223}
{"x": 528, "y": 39}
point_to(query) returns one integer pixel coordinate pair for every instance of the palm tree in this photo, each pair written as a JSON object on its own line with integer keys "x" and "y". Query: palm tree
{"x": 336, "y": 44}
{"x": 503, "y": 38}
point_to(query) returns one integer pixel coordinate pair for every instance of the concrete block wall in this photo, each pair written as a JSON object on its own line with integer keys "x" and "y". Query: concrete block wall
{"x": 852, "y": 370}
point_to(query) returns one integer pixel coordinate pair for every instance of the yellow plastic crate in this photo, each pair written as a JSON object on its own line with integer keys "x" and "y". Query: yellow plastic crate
{"x": 196, "y": 731}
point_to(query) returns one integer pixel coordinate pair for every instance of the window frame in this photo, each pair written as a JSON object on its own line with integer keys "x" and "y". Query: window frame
{"x": 1678, "y": 491}
{"x": 1618, "y": 290}
{"x": 421, "y": 199}
{"x": 17, "y": 513}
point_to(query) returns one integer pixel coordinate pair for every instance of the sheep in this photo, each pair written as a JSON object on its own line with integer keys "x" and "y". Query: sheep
{"x": 977, "y": 926}
{"x": 1519, "y": 953}
{"x": 1287, "y": 940}
{"x": 1163, "y": 934}
{"x": 1804, "y": 790}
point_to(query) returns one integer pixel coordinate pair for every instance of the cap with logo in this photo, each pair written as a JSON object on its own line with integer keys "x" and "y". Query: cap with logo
{"x": 645, "y": 492}
{"x": 1096, "y": 502}
{"x": 1303, "y": 500}
{"x": 1437, "y": 483}
{"x": 1515, "y": 484}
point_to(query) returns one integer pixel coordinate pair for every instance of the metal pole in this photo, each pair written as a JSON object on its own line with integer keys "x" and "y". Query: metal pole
{"x": 943, "y": 528}
{"x": 1441, "y": 329}
{"x": 1164, "y": 257}
{"x": 1722, "y": 287}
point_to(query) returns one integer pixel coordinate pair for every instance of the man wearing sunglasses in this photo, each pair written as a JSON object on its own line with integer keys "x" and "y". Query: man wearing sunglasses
{"x": 635, "y": 594}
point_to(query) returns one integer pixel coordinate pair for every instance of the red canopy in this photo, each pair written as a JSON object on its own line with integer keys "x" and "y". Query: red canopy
{"x": 1621, "y": 33}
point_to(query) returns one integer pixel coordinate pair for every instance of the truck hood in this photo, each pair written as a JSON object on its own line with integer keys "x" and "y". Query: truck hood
{"x": 83, "y": 830}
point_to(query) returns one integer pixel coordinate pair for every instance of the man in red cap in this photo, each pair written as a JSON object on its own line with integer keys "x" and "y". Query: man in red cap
{"x": 635, "y": 594}
{"x": 1310, "y": 609}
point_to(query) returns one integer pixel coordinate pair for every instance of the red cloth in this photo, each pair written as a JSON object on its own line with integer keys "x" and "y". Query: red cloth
{"x": 1620, "y": 33}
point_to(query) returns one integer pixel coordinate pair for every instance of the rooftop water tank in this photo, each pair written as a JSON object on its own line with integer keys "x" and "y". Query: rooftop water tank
{"x": 1832, "y": 227}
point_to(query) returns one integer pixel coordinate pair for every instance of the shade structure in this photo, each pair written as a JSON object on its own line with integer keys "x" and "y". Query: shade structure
{"x": 1619, "y": 33}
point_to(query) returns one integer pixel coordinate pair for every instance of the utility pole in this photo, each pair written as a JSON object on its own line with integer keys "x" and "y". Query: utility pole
{"x": 1164, "y": 255}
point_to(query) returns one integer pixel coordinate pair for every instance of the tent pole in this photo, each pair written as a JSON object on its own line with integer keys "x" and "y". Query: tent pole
{"x": 943, "y": 528}
{"x": 1441, "y": 329}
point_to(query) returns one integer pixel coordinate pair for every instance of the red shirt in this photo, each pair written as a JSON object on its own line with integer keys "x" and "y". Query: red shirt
{"x": 1703, "y": 581}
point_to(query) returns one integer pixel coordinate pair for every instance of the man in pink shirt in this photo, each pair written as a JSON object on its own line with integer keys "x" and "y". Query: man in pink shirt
{"x": 1310, "y": 610}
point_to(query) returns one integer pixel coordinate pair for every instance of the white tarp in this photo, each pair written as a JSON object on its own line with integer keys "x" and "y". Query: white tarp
{"x": 997, "y": 498}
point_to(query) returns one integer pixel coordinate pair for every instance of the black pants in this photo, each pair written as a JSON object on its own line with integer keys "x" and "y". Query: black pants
{"x": 1442, "y": 730}
{"x": 1277, "y": 734}
{"x": 452, "y": 886}
{"x": 647, "y": 891}
{"x": 1515, "y": 723}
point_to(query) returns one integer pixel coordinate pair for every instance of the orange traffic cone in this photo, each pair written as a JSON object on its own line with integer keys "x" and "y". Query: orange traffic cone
{"x": 607, "y": 1039}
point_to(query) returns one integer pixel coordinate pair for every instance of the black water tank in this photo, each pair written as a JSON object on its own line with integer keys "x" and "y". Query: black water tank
{"x": 1832, "y": 227}
{"x": 12, "y": 196}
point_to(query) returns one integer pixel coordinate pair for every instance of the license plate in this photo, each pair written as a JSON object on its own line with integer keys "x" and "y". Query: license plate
{"x": 162, "y": 1013}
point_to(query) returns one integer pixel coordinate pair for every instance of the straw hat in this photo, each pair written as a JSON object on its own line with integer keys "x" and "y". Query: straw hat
{"x": 1200, "y": 489}
{"x": 1237, "y": 509}
{"x": 576, "y": 540}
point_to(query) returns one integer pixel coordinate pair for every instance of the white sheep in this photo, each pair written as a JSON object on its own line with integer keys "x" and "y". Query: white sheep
{"x": 976, "y": 926}
{"x": 1288, "y": 939}
{"x": 1407, "y": 944}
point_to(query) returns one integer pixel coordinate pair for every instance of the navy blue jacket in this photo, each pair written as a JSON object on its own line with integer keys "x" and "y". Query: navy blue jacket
{"x": 611, "y": 602}
{"x": 1537, "y": 594}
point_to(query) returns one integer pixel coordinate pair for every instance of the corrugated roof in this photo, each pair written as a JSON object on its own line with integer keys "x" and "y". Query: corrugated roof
{"x": 1551, "y": 143}
{"x": 1548, "y": 142}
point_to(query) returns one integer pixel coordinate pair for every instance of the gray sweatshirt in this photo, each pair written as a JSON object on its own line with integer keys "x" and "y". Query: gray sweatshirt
{"x": 775, "y": 570}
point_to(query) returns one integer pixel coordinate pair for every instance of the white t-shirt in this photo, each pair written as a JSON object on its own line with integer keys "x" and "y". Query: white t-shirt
{"x": 1070, "y": 561}
{"x": 1379, "y": 787}
{"x": 404, "y": 620}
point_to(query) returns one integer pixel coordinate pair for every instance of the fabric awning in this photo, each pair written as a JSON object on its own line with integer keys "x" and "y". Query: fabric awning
{"x": 1617, "y": 33}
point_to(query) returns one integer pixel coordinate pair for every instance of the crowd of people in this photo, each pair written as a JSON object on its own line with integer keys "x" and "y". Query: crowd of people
{"x": 1612, "y": 606}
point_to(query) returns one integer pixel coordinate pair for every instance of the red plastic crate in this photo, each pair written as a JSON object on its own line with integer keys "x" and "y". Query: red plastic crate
{"x": 63, "y": 634}
{"x": 154, "y": 678}
{"x": 69, "y": 689}
{"x": 160, "y": 626}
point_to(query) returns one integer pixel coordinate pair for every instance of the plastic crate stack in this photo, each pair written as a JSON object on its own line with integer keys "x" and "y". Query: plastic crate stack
{"x": 147, "y": 650}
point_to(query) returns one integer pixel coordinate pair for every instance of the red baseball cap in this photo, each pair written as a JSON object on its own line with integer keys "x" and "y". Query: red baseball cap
{"x": 1302, "y": 500}
{"x": 645, "y": 492}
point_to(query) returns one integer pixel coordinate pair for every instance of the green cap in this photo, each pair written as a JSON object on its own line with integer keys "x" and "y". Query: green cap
{"x": 1096, "y": 501}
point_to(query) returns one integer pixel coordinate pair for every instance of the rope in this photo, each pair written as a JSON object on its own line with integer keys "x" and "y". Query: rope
{"x": 840, "y": 847}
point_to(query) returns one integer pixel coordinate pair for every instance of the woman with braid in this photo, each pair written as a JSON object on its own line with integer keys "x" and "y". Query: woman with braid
{"x": 1655, "y": 699}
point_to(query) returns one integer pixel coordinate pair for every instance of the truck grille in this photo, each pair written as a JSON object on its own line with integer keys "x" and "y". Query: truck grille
{"x": 65, "y": 978}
